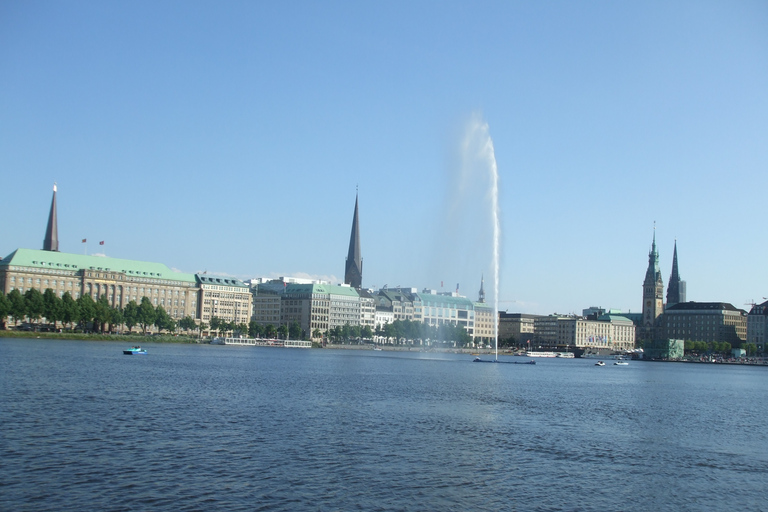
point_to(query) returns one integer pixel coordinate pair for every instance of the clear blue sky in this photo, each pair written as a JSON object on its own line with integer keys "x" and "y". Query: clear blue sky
{"x": 230, "y": 137}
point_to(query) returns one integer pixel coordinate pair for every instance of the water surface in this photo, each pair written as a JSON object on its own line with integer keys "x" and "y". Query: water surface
{"x": 199, "y": 427}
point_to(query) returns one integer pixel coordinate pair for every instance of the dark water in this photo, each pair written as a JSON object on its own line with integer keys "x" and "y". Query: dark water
{"x": 241, "y": 428}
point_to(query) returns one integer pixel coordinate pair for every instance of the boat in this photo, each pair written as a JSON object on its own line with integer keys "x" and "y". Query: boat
{"x": 478, "y": 360}
{"x": 621, "y": 362}
{"x": 135, "y": 351}
{"x": 377, "y": 348}
{"x": 540, "y": 354}
{"x": 566, "y": 355}
{"x": 599, "y": 363}
{"x": 218, "y": 341}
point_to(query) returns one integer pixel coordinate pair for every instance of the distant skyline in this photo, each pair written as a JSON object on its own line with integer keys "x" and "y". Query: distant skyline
{"x": 231, "y": 138}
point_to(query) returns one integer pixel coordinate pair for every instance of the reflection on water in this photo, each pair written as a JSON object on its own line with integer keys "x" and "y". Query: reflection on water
{"x": 192, "y": 427}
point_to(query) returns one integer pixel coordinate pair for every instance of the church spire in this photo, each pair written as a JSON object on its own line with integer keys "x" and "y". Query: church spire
{"x": 353, "y": 272}
{"x": 51, "y": 242}
{"x": 676, "y": 288}
{"x": 481, "y": 298}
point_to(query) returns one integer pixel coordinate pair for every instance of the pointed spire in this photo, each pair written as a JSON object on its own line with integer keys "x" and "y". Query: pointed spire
{"x": 353, "y": 272}
{"x": 676, "y": 288}
{"x": 481, "y": 298}
{"x": 51, "y": 242}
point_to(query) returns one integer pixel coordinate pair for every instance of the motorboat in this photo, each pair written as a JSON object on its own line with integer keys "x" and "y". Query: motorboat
{"x": 621, "y": 362}
{"x": 599, "y": 363}
{"x": 135, "y": 351}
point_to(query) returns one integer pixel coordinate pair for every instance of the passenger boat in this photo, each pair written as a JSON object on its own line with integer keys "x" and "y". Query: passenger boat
{"x": 566, "y": 355}
{"x": 540, "y": 354}
{"x": 135, "y": 351}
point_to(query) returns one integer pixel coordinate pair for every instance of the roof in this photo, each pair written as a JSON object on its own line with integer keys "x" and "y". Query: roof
{"x": 608, "y": 317}
{"x": 431, "y": 300}
{"x": 330, "y": 289}
{"x": 36, "y": 258}
{"x": 702, "y": 306}
{"x": 220, "y": 281}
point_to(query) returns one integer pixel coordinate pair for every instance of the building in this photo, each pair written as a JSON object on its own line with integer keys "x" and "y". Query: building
{"x": 607, "y": 333}
{"x": 653, "y": 290}
{"x": 353, "y": 268}
{"x": 319, "y": 307}
{"x": 519, "y": 327}
{"x": 704, "y": 321}
{"x": 757, "y": 325}
{"x": 676, "y": 291}
{"x": 119, "y": 280}
{"x": 228, "y": 299}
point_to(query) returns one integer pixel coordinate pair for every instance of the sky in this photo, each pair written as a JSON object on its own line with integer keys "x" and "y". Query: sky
{"x": 232, "y": 137}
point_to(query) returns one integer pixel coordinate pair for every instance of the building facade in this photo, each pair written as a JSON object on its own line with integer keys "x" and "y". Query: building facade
{"x": 119, "y": 280}
{"x": 225, "y": 298}
{"x": 704, "y": 321}
{"x": 757, "y": 325}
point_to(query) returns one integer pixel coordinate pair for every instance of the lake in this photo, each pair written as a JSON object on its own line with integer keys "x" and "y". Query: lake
{"x": 201, "y": 427}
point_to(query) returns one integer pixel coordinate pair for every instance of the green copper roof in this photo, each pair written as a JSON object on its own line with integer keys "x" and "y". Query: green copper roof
{"x": 76, "y": 262}
{"x": 430, "y": 300}
{"x": 220, "y": 281}
{"x": 321, "y": 288}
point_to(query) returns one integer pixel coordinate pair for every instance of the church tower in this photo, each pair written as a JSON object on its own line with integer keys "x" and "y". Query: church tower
{"x": 51, "y": 242}
{"x": 353, "y": 271}
{"x": 481, "y": 295}
{"x": 653, "y": 293}
{"x": 676, "y": 288}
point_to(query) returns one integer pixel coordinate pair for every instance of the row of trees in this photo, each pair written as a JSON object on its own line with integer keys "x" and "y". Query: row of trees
{"x": 717, "y": 347}
{"x": 419, "y": 332}
{"x": 85, "y": 313}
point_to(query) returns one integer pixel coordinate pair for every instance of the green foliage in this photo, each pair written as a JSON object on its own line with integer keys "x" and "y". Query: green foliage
{"x": 270, "y": 331}
{"x": 116, "y": 315}
{"x": 317, "y": 333}
{"x": 18, "y": 306}
{"x": 34, "y": 303}
{"x": 282, "y": 331}
{"x": 131, "y": 315}
{"x": 255, "y": 329}
{"x": 70, "y": 311}
{"x": 5, "y": 309}
{"x": 87, "y": 310}
{"x": 163, "y": 321}
{"x": 146, "y": 314}
{"x": 53, "y": 307}
{"x": 294, "y": 330}
{"x": 102, "y": 313}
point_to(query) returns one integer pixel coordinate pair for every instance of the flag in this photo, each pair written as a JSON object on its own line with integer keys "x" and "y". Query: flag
{"x": 101, "y": 243}
{"x": 83, "y": 240}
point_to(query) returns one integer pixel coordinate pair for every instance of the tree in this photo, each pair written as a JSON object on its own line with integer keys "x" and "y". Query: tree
{"x": 35, "y": 304}
{"x": 87, "y": 310}
{"x": 163, "y": 322}
{"x": 146, "y": 316}
{"x": 254, "y": 329}
{"x": 18, "y": 305}
{"x": 270, "y": 331}
{"x": 316, "y": 333}
{"x": 69, "y": 310}
{"x": 102, "y": 313}
{"x": 366, "y": 332}
{"x": 131, "y": 315}
{"x": 216, "y": 324}
{"x": 53, "y": 308}
{"x": 294, "y": 330}
{"x": 116, "y": 315}
{"x": 5, "y": 309}
{"x": 282, "y": 331}
{"x": 187, "y": 323}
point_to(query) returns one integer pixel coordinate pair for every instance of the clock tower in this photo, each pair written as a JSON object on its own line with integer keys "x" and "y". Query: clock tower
{"x": 653, "y": 293}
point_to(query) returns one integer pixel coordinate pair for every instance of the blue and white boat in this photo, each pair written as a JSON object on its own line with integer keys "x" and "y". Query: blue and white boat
{"x": 135, "y": 351}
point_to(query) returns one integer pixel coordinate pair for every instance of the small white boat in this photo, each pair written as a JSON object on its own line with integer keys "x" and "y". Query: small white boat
{"x": 377, "y": 348}
{"x": 599, "y": 363}
{"x": 621, "y": 362}
{"x": 135, "y": 351}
